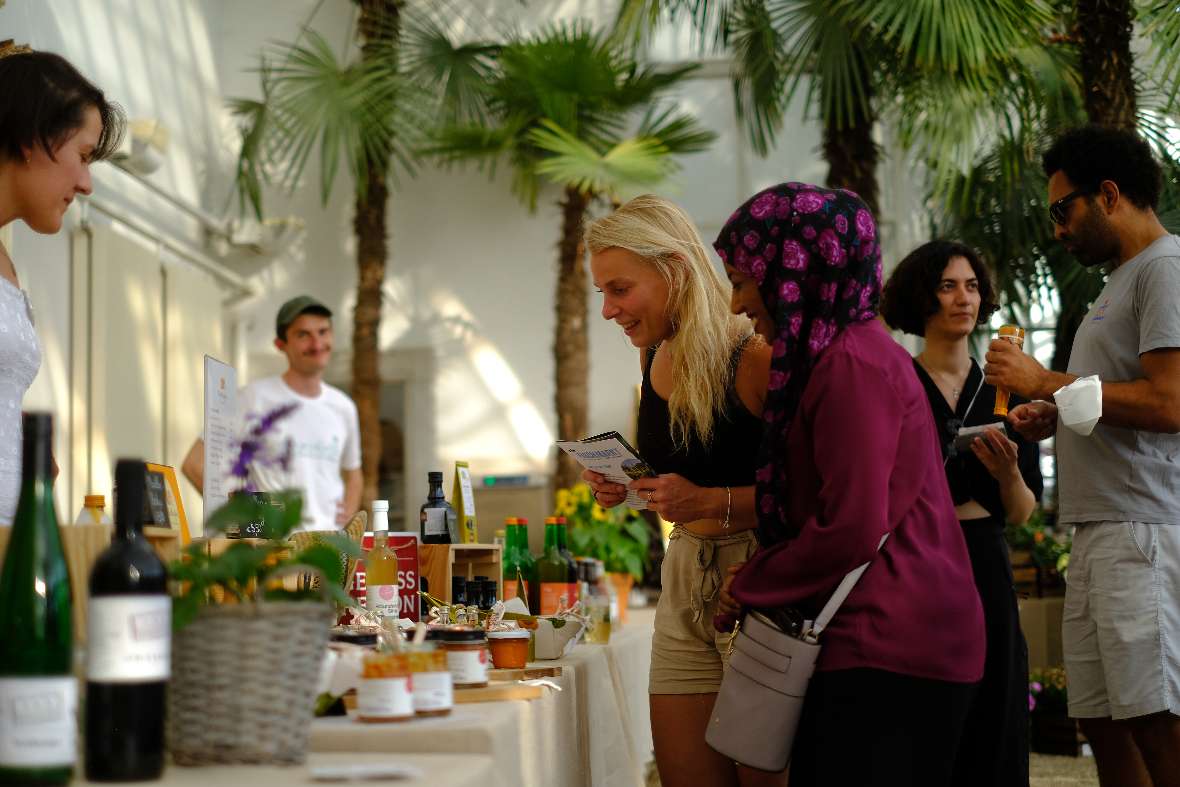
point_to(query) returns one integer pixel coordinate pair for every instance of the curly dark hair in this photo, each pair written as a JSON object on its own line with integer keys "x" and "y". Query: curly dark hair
{"x": 910, "y": 297}
{"x": 45, "y": 100}
{"x": 1091, "y": 154}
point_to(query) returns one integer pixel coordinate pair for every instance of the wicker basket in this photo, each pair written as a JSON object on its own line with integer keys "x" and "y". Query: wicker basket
{"x": 243, "y": 683}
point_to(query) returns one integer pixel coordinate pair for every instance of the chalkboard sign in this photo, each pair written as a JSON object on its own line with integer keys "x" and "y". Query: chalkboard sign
{"x": 255, "y": 529}
{"x": 155, "y": 502}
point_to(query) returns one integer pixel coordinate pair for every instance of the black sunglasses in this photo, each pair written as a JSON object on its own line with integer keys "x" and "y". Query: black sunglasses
{"x": 1057, "y": 209}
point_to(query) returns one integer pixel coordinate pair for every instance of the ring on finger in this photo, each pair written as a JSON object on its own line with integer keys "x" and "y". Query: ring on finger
{"x": 651, "y": 494}
{"x": 595, "y": 493}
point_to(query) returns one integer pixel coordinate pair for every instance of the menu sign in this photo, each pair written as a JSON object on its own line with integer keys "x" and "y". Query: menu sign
{"x": 405, "y": 546}
{"x": 221, "y": 419}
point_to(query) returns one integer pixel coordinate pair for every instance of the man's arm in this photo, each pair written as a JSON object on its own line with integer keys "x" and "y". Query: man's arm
{"x": 193, "y": 465}
{"x": 353, "y": 482}
{"x": 1151, "y": 404}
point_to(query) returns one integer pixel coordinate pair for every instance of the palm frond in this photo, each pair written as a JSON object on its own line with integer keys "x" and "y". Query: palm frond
{"x": 636, "y": 161}
{"x": 458, "y": 74}
{"x": 1161, "y": 23}
{"x": 677, "y": 132}
{"x": 963, "y": 38}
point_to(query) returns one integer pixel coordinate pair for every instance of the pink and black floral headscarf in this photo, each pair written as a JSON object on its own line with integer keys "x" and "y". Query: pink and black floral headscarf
{"x": 815, "y": 255}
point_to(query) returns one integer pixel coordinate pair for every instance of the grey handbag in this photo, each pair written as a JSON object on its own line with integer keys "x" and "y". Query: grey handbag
{"x": 761, "y": 697}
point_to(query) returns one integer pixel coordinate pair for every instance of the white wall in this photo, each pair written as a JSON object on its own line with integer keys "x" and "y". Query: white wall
{"x": 155, "y": 58}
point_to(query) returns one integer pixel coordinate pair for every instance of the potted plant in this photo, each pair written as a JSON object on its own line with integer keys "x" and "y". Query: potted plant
{"x": 617, "y": 536}
{"x": 1052, "y": 731}
{"x": 249, "y": 628}
{"x": 1043, "y": 549}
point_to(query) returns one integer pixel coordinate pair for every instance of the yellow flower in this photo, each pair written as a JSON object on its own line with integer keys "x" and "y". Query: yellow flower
{"x": 582, "y": 493}
{"x": 598, "y": 513}
{"x": 564, "y": 502}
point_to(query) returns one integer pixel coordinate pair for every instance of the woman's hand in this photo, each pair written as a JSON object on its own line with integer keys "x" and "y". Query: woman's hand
{"x": 677, "y": 499}
{"x": 726, "y": 603}
{"x": 998, "y": 454}
{"x": 606, "y": 493}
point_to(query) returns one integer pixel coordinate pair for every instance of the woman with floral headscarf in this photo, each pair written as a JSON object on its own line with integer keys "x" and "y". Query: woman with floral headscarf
{"x": 849, "y": 454}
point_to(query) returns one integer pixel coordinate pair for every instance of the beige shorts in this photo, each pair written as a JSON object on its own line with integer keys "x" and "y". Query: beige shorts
{"x": 686, "y": 652}
{"x": 1121, "y": 623}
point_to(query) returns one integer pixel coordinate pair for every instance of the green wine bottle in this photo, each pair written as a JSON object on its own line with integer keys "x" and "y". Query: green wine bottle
{"x": 38, "y": 689}
{"x": 558, "y": 589}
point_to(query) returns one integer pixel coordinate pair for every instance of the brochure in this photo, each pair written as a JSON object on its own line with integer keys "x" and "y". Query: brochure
{"x": 613, "y": 457}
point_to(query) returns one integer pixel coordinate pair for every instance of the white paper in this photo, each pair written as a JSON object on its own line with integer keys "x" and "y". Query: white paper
{"x": 1079, "y": 404}
{"x": 611, "y": 455}
{"x": 221, "y": 423}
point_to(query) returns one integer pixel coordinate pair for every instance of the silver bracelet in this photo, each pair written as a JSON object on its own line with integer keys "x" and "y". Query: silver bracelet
{"x": 728, "y": 507}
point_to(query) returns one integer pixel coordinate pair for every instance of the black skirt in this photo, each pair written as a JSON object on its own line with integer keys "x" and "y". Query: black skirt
{"x": 993, "y": 750}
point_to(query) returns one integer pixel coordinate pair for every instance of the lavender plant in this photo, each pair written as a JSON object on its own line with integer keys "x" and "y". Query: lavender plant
{"x": 247, "y": 569}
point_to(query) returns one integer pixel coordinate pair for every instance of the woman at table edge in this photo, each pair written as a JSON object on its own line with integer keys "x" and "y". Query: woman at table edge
{"x": 704, "y": 375}
{"x": 53, "y": 125}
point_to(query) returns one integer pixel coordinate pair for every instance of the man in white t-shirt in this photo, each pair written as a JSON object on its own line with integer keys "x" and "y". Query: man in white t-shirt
{"x": 324, "y": 430}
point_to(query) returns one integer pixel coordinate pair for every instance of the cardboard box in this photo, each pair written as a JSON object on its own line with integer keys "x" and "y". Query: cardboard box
{"x": 1040, "y": 619}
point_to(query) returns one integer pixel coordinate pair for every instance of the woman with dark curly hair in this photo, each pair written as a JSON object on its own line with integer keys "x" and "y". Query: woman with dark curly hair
{"x": 942, "y": 291}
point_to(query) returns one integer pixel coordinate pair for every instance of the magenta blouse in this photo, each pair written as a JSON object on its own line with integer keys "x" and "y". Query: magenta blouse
{"x": 864, "y": 460}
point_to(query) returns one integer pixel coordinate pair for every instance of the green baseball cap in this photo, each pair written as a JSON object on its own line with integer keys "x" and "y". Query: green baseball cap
{"x": 294, "y": 308}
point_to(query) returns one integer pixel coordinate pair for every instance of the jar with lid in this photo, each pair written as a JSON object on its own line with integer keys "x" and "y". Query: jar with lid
{"x": 385, "y": 692}
{"x": 510, "y": 649}
{"x": 467, "y": 655}
{"x": 432, "y": 684}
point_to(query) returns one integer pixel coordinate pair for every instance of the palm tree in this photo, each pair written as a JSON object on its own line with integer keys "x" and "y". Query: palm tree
{"x": 861, "y": 61}
{"x": 559, "y": 105}
{"x": 369, "y": 113}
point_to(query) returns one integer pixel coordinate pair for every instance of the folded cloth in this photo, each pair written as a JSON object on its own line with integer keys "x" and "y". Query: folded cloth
{"x": 1079, "y": 404}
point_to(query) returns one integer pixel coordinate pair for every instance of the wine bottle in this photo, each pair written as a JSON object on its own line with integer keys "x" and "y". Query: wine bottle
{"x": 38, "y": 690}
{"x": 557, "y": 589}
{"x": 381, "y": 586}
{"x": 128, "y": 645}
{"x": 439, "y": 523}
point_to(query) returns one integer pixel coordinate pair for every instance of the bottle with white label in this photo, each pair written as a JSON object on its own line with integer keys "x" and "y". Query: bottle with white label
{"x": 128, "y": 650}
{"x": 381, "y": 586}
{"x": 38, "y": 690}
{"x": 439, "y": 523}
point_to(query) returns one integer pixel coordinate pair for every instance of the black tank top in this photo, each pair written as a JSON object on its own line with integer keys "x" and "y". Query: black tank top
{"x": 731, "y": 457}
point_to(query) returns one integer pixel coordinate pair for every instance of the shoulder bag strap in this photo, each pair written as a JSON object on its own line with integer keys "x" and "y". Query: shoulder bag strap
{"x": 842, "y": 590}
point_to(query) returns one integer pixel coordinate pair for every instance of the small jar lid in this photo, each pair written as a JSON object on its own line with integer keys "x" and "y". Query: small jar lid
{"x": 457, "y": 634}
{"x": 509, "y": 634}
{"x": 94, "y": 501}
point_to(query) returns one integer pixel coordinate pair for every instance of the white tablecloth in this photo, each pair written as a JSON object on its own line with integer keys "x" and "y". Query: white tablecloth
{"x": 595, "y": 731}
{"x": 438, "y": 770}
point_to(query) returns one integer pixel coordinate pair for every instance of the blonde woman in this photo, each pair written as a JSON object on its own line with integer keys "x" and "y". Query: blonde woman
{"x": 704, "y": 378}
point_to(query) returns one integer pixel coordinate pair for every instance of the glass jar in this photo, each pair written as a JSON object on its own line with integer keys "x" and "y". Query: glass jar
{"x": 385, "y": 693}
{"x": 467, "y": 655}
{"x": 510, "y": 649}
{"x": 432, "y": 690}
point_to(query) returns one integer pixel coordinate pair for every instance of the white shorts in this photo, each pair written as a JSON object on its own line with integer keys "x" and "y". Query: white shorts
{"x": 1121, "y": 624}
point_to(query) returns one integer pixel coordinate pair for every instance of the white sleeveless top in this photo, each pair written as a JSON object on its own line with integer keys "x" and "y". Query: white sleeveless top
{"x": 20, "y": 358}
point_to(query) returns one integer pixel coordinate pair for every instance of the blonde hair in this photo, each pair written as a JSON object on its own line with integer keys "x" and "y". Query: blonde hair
{"x": 706, "y": 332}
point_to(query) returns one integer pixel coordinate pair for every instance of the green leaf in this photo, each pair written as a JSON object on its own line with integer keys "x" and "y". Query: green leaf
{"x": 326, "y": 559}
{"x": 184, "y": 610}
{"x": 238, "y": 511}
{"x": 342, "y": 543}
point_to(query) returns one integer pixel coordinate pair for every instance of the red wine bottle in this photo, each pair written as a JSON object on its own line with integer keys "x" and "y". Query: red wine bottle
{"x": 129, "y": 645}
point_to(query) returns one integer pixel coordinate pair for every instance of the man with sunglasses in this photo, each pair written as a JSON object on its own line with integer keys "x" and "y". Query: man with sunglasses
{"x": 1119, "y": 486}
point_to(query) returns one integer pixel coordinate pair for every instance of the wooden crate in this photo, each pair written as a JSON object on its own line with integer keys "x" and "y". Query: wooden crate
{"x": 439, "y": 562}
{"x": 82, "y": 545}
